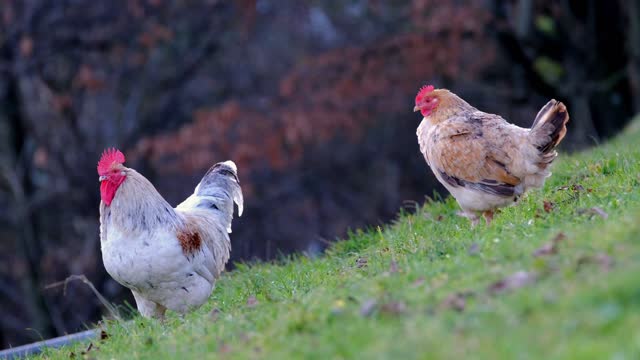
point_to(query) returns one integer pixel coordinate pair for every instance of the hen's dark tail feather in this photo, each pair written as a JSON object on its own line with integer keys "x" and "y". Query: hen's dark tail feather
{"x": 218, "y": 190}
{"x": 550, "y": 127}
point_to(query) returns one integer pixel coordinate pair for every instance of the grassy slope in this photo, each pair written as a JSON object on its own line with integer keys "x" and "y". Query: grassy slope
{"x": 585, "y": 302}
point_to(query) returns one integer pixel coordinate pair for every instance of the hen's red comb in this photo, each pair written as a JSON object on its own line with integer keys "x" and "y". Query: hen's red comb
{"x": 424, "y": 91}
{"x": 108, "y": 158}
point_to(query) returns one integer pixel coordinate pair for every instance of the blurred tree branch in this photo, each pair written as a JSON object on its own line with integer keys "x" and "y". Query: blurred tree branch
{"x": 29, "y": 246}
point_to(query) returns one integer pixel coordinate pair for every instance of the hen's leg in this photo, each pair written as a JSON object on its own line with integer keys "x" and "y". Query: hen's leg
{"x": 488, "y": 216}
{"x": 148, "y": 308}
{"x": 471, "y": 215}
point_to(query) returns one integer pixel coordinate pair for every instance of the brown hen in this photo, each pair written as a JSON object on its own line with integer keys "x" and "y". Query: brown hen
{"x": 484, "y": 161}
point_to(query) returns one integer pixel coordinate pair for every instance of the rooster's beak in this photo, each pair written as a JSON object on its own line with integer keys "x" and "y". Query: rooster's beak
{"x": 416, "y": 108}
{"x": 102, "y": 178}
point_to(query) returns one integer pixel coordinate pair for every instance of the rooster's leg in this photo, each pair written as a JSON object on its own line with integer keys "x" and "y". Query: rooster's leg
{"x": 148, "y": 308}
{"x": 488, "y": 216}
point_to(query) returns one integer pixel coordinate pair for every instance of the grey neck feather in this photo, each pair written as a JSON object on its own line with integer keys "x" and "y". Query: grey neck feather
{"x": 137, "y": 206}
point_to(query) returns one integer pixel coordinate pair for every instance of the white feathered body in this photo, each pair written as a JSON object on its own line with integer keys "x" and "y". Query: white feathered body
{"x": 169, "y": 258}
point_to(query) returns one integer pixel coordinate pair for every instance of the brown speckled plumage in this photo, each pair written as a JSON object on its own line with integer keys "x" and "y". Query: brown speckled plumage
{"x": 190, "y": 241}
{"x": 484, "y": 161}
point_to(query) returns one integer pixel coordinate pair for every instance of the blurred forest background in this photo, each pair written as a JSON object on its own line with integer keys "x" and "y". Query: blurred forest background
{"x": 312, "y": 99}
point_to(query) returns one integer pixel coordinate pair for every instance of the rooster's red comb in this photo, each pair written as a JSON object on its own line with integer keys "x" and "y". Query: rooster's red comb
{"x": 424, "y": 91}
{"x": 108, "y": 158}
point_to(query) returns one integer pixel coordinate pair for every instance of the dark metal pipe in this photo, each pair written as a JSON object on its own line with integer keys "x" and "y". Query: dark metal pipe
{"x": 37, "y": 347}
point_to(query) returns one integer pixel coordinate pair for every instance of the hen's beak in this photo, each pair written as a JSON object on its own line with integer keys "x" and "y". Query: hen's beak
{"x": 102, "y": 178}
{"x": 416, "y": 108}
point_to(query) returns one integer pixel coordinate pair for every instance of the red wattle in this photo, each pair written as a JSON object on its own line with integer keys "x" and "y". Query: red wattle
{"x": 108, "y": 189}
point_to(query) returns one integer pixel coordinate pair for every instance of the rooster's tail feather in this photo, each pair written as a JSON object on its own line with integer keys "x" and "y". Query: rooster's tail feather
{"x": 217, "y": 191}
{"x": 230, "y": 169}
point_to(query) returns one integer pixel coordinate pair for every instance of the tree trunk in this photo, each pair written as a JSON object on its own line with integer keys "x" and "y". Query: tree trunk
{"x": 633, "y": 67}
{"x": 583, "y": 133}
{"x": 20, "y": 187}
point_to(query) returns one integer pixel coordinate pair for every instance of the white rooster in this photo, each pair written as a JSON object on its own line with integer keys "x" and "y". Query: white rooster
{"x": 169, "y": 258}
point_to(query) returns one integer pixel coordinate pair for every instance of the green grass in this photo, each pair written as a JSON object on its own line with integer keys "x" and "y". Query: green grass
{"x": 382, "y": 293}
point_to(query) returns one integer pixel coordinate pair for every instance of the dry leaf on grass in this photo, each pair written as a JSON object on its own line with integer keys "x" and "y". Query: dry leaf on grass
{"x": 86, "y": 351}
{"x": 393, "y": 267}
{"x": 473, "y": 249}
{"x": 577, "y": 187}
{"x": 598, "y": 211}
{"x": 224, "y": 348}
{"x": 368, "y": 307}
{"x": 594, "y": 211}
{"x": 457, "y": 301}
{"x": 551, "y": 247}
{"x": 252, "y": 301}
{"x": 418, "y": 282}
{"x": 215, "y": 314}
{"x": 513, "y": 282}
{"x": 603, "y": 260}
{"x": 393, "y": 308}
